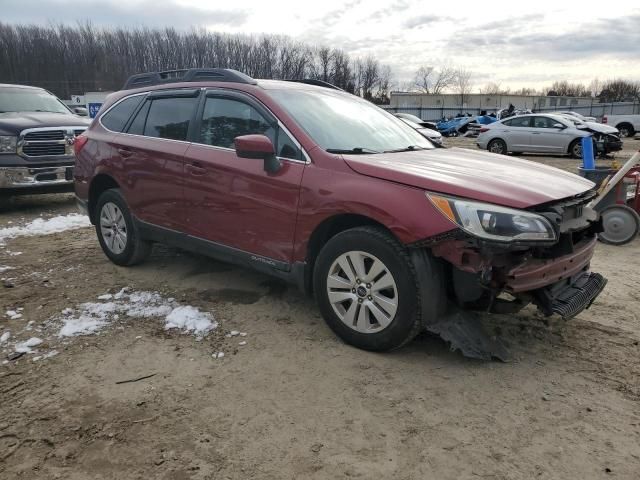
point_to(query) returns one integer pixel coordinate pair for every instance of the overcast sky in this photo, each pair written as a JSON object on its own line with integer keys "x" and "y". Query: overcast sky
{"x": 513, "y": 43}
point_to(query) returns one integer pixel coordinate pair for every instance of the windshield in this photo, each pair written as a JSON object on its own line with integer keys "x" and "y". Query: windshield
{"x": 343, "y": 123}
{"x": 28, "y": 100}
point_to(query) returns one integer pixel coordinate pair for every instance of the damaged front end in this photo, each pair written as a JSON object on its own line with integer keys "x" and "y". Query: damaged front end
{"x": 547, "y": 265}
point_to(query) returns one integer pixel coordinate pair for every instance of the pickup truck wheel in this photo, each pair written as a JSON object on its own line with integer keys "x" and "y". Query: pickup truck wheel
{"x": 626, "y": 130}
{"x": 117, "y": 234}
{"x": 497, "y": 146}
{"x": 367, "y": 289}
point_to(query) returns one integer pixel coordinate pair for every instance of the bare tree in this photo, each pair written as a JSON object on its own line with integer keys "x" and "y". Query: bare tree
{"x": 428, "y": 79}
{"x": 493, "y": 88}
{"x": 620, "y": 91}
{"x": 463, "y": 84}
{"x": 75, "y": 59}
{"x": 563, "y": 88}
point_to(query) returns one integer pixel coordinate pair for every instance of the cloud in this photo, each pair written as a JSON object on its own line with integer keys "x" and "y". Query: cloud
{"x": 331, "y": 18}
{"x": 119, "y": 13}
{"x": 592, "y": 40}
{"x": 423, "y": 20}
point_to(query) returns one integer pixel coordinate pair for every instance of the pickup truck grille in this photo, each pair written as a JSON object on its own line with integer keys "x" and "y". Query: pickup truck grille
{"x": 47, "y": 142}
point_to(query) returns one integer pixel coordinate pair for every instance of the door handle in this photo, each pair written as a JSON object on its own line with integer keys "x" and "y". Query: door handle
{"x": 125, "y": 152}
{"x": 196, "y": 169}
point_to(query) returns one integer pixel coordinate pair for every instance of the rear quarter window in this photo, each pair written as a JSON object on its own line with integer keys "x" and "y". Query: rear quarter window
{"x": 118, "y": 116}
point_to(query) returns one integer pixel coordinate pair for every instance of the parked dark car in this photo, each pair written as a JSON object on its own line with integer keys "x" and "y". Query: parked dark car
{"x": 328, "y": 191}
{"x": 37, "y": 132}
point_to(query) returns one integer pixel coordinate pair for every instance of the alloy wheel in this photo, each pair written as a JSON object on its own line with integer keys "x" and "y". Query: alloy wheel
{"x": 113, "y": 228}
{"x": 362, "y": 292}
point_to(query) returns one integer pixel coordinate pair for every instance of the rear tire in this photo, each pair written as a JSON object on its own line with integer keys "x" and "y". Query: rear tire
{"x": 117, "y": 233}
{"x": 367, "y": 289}
{"x": 497, "y": 146}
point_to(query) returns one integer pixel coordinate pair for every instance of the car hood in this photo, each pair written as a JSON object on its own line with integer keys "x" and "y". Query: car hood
{"x": 481, "y": 176}
{"x": 600, "y": 127}
{"x": 427, "y": 132}
{"x": 12, "y": 123}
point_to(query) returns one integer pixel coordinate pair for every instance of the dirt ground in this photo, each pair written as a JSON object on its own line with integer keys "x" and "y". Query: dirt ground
{"x": 295, "y": 402}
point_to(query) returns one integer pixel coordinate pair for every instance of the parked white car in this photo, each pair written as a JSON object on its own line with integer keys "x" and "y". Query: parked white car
{"x": 544, "y": 133}
{"x": 628, "y": 125}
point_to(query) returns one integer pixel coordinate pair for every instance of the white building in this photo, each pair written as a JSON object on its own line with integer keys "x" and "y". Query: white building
{"x": 479, "y": 101}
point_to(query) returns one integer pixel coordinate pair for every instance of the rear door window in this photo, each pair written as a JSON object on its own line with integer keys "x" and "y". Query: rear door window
{"x": 518, "y": 122}
{"x": 169, "y": 118}
{"x": 543, "y": 122}
{"x": 118, "y": 116}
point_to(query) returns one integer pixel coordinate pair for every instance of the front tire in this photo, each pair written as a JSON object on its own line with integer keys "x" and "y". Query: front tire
{"x": 367, "y": 289}
{"x": 117, "y": 233}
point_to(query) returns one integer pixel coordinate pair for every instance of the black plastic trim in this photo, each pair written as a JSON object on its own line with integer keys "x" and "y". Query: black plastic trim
{"x": 187, "y": 75}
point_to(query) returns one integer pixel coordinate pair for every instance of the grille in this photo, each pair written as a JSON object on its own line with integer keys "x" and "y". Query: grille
{"x": 41, "y": 149}
{"x": 45, "y": 135}
{"x": 53, "y": 142}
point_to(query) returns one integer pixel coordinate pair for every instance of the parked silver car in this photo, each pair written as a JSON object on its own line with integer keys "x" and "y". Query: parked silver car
{"x": 543, "y": 133}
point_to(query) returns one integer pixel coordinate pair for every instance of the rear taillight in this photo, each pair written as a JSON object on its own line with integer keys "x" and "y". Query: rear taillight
{"x": 605, "y": 119}
{"x": 483, "y": 129}
{"x": 79, "y": 143}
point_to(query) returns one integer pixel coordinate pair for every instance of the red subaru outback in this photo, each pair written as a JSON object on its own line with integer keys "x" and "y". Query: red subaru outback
{"x": 319, "y": 187}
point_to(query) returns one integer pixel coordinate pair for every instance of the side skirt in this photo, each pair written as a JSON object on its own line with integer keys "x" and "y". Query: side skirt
{"x": 291, "y": 273}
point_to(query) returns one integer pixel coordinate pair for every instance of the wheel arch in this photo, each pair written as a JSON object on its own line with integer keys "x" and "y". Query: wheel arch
{"x": 326, "y": 230}
{"x": 626, "y": 124}
{"x": 99, "y": 184}
{"x": 498, "y": 137}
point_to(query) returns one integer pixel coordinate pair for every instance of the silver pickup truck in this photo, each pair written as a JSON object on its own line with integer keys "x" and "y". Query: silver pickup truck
{"x": 627, "y": 125}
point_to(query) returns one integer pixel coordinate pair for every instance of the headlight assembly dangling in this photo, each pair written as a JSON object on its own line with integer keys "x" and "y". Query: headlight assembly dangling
{"x": 493, "y": 222}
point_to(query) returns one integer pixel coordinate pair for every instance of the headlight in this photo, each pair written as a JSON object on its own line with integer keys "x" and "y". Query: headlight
{"x": 492, "y": 222}
{"x": 8, "y": 144}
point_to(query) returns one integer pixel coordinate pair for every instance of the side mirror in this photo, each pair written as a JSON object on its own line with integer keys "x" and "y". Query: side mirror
{"x": 559, "y": 125}
{"x": 83, "y": 112}
{"x": 259, "y": 147}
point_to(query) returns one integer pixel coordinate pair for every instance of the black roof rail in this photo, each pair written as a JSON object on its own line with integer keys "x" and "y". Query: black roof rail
{"x": 187, "y": 75}
{"x": 318, "y": 83}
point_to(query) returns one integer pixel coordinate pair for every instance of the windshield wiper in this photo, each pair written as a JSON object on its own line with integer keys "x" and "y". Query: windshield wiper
{"x": 410, "y": 148}
{"x": 353, "y": 151}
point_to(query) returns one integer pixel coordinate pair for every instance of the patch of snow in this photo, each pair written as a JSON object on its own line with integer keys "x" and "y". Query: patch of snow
{"x": 190, "y": 319}
{"x": 40, "y": 226}
{"x": 4, "y": 337}
{"x": 218, "y": 355}
{"x": 106, "y": 296}
{"x": 243, "y": 334}
{"x": 25, "y": 347}
{"x": 5, "y": 268}
{"x": 234, "y": 333}
{"x": 90, "y": 317}
{"x": 242, "y": 343}
{"x": 13, "y": 315}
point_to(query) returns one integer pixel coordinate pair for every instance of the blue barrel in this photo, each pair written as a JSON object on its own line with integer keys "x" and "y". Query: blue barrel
{"x": 588, "y": 159}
